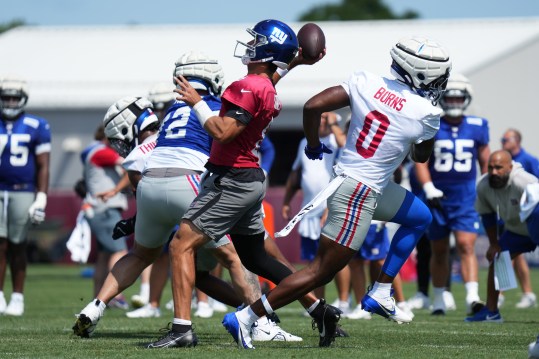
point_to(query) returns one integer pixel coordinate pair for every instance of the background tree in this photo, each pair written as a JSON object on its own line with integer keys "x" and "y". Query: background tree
{"x": 355, "y": 10}
{"x": 11, "y": 24}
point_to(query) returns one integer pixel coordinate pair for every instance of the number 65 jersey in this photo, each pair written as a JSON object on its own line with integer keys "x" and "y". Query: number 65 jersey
{"x": 455, "y": 155}
{"x": 387, "y": 119}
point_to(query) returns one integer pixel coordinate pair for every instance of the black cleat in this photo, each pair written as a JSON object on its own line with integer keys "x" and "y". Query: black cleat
{"x": 476, "y": 307}
{"x": 438, "y": 312}
{"x": 83, "y": 326}
{"x": 173, "y": 339}
{"x": 340, "y": 332}
{"x": 326, "y": 322}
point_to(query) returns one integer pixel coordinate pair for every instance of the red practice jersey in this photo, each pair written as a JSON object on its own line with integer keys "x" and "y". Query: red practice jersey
{"x": 256, "y": 95}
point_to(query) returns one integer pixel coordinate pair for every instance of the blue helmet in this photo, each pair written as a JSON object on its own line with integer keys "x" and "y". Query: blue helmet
{"x": 273, "y": 41}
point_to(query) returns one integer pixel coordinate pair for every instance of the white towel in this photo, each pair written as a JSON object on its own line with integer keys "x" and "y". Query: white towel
{"x": 528, "y": 201}
{"x": 316, "y": 201}
{"x": 79, "y": 243}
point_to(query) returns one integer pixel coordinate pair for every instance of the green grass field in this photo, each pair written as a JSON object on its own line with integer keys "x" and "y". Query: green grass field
{"x": 54, "y": 294}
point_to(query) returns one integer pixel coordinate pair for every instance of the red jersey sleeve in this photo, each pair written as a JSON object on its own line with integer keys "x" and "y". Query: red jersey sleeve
{"x": 105, "y": 157}
{"x": 241, "y": 94}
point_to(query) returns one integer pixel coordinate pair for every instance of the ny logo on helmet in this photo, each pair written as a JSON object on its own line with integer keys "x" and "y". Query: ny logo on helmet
{"x": 278, "y": 36}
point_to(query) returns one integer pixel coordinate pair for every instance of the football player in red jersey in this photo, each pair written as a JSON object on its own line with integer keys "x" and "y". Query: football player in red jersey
{"x": 231, "y": 193}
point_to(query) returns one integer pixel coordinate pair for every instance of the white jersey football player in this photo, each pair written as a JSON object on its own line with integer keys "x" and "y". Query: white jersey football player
{"x": 391, "y": 118}
{"x": 25, "y": 145}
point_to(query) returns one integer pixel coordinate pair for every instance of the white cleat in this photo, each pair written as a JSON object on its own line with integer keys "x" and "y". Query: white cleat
{"x": 438, "y": 305}
{"x": 204, "y": 310}
{"x": 528, "y": 300}
{"x": 147, "y": 311}
{"x": 449, "y": 301}
{"x": 419, "y": 301}
{"x": 533, "y": 350}
{"x": 170, "y": 305}
{"x": 139, "y": 301}
{"x": 3, "y": 304}
{"x": 266, "y": 330}
{"x": 218, "y": 306}
{"x": 358, "y": 313}
{"x": 16, "y": 305}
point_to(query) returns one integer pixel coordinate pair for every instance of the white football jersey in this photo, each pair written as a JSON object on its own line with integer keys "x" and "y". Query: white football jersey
{"x": 137, "y": 157}
{"x": 387, "y": 118}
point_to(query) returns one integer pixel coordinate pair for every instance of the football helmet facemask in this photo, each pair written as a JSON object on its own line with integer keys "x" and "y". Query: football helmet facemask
{"x": 125, "y": 120}
{"x": 457, "y": 96}
{"x": 273, "y": 41}
{"x": 203, "y": 72}
{"x": 13, "y": 97}
{"x": 423, "y": 64}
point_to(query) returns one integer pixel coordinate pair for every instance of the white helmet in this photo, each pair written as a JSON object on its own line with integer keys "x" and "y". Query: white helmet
{"x": 458, "y": 95}
{"x": 201, "y": 71}
{"x": 422, "y": 64}
{"x": 162, "y": 95}
{"x": 13, "y": 87}
{"x": 125, "y": 120}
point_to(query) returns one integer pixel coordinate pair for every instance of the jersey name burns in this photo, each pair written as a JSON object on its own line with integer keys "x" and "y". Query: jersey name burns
{"x": 389, "y": 98}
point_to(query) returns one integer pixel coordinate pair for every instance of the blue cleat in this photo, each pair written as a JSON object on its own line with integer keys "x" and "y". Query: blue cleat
{"x": 485, "y": 316}
{"x": 239, "y": 331}
{"x": 385, "y": 307}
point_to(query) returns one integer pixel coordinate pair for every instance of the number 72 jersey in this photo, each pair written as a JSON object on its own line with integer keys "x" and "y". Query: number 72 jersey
{"x": 387, "y": 119}
{"x": 455, "y": 155}
{"x": 20, "y": 142}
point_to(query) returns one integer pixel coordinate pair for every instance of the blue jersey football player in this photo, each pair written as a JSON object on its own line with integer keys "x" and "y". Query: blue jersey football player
{"x": 24, "y": 179}
{"x": 448, "y": 180}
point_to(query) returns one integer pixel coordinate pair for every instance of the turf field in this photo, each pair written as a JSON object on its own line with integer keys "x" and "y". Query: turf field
{"x": 55, "y": 293}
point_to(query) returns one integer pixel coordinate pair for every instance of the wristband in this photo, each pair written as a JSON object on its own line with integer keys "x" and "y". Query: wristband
{"x": 203, "y": 112}
{"x": 282, "y": 72}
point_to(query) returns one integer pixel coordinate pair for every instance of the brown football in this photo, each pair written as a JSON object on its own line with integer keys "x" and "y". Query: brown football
{"x": 312, "y": 40}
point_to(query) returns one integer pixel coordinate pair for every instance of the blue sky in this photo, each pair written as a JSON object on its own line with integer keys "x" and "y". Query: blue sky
{"x": 100, "y": 12}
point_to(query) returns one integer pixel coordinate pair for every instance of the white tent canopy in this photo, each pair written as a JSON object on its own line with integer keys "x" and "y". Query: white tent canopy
{"x": 91, "y": 67}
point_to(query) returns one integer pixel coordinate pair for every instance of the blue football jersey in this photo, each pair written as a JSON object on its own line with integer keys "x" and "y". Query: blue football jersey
{"x": 455, "y": 155}
{"x": 181, "y": 127}
{"x": 20, "y": 141}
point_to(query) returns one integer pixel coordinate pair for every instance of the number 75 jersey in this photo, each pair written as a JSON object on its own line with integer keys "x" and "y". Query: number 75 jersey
{"x": 455, "y": 155}
{"x": 387, "y": 119}
{"x": 20, "y": 142}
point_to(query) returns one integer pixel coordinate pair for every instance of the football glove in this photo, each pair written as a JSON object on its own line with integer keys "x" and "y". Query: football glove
{"x": 433, "y": 194}
{"x": 37, "y": 209}
{"x": 316, "y": 153}
{"x": 124, "y": 227}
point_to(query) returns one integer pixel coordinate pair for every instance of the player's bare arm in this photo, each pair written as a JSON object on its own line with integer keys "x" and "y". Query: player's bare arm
{"x": 330, "y": 99}
{"x": 422, "y": 151}
{"x": 42, "y": 162}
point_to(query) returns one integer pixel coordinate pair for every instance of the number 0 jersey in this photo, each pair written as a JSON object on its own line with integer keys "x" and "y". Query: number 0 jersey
{"x": 387, "y": 118}
{"x": 20, "y": 142}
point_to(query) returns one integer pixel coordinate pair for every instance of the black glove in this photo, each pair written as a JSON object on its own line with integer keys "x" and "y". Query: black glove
{"x": 80, "y": 188}
{"x": 124, "y": 227}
